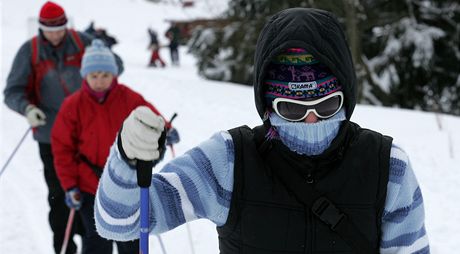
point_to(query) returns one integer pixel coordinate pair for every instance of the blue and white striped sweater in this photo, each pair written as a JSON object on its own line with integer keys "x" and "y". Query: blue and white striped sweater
{"x": 199, "y": 184}
{"x": 195, "y": 185}
{"x": 403, "y": 229}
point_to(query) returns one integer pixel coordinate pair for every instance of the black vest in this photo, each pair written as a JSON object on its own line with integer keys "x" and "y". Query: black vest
{"x": 266, "y": 214}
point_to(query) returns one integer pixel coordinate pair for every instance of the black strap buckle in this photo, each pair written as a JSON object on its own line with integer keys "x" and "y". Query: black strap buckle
{"x": 326, "y": 211}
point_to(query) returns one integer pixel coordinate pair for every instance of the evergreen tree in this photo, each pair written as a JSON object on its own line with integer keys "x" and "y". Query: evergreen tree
{"x": 227, "y": 54}
{"x": 406, "y": 53}
{"x": 415, "y": 59}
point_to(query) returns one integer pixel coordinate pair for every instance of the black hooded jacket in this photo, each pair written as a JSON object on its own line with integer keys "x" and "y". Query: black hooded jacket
{"x": 283, "y": 202}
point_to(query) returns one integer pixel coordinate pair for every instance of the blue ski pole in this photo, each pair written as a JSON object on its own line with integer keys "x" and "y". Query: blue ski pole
{"x": 15, "y": 150}
{"x": 144, "y": 178}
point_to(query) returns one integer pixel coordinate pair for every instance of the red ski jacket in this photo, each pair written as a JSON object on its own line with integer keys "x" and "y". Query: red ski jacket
{"x": 87, "y": 129}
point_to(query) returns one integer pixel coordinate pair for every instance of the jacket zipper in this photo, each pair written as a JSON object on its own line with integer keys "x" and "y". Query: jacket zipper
{"x": 309, "y": 219}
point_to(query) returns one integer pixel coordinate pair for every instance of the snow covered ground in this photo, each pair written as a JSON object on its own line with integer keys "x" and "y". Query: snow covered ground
{"x": 204, "y": 107}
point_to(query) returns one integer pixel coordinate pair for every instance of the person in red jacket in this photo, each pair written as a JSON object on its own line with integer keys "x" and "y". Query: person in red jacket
{"x": 85, "y": 128}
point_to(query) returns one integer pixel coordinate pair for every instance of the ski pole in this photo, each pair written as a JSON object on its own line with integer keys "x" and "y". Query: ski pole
{"x": 144, "y": 178}
{"x": 171, "y": 146}
{"x": 172, "y": 117}
{"x": 68, "y": 228}
{"x": 163, "y": 249}
{"x": 173, "y": 153}
{"x": 189, "y": 230}
{"x": 15, "y": 150}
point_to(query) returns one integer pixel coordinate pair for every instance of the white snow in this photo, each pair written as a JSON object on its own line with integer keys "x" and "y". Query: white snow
{"x": 204, "y": 107}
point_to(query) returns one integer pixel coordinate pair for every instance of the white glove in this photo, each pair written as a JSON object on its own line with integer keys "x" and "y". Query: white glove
{"x": 35, "y": 116}
{"x": 140, "y": 134}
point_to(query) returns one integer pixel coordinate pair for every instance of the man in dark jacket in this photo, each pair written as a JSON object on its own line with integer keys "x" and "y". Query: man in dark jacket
{"x": 45, "y": 70}
{"x": 306, "y": 181}
{"x": 173, "y": 34}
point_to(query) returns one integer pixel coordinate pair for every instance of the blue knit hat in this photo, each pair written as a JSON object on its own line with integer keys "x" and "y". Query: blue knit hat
{"x": 98, "y": 57}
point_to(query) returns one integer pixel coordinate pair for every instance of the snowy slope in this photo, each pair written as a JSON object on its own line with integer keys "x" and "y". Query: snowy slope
{"x": 432, "y": 142}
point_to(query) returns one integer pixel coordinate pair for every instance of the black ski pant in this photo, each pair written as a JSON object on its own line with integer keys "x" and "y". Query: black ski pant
{"x": 59, "y": 212}
{"x": 92, "y": 242}
{"x": 174, "y": 54}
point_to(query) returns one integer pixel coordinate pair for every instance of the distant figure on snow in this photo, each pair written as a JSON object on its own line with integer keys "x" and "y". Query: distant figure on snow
{"x": 173, "y": 34}
{"x": 101, "y": 33}
{"x": 154, "y": 46}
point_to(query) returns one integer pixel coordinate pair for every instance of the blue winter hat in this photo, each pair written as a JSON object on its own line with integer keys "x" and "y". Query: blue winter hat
{"x": 98, "y": 57}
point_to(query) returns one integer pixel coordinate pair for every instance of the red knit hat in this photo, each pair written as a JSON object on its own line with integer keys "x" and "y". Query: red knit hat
{"x": 52, "y": 17}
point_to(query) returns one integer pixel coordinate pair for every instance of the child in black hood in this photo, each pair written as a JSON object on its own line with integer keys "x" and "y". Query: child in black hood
{"x": 306, "y": 181}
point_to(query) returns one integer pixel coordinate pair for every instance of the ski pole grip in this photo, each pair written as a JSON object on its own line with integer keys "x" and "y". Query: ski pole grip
{"x": 172, "y": 117}
{"x": 144, "y": 173}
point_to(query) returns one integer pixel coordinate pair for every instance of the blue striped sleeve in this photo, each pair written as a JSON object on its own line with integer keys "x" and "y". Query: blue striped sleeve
{"x": 195, "y": 185}
{"x": 403, "y": 220}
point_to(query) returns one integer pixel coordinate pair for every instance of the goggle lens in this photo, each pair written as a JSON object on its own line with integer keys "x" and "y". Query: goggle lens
{"x": 329, "y": 106}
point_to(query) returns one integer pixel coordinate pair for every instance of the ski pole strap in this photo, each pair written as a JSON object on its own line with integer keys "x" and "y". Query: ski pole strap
{"x": 95, "y": 168}
{"x": 338, "y": 222}
{"x": 327, "y": 212}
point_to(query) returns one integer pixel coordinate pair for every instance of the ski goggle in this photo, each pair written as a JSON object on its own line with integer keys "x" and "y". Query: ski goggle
{"x": 297, "y": 110}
